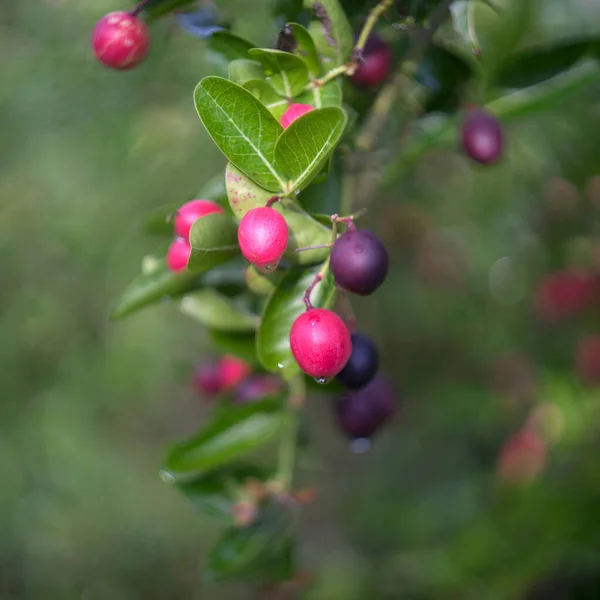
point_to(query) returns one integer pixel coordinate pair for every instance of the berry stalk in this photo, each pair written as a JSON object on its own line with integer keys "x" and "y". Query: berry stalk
{"x": 139, "y": 8}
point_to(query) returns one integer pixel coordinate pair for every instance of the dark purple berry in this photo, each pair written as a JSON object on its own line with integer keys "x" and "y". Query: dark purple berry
{"x": 255, "y": 388}
{"x": 361, "y": 413}
{"x": 376, "y": 63}
{"x": 359, "y": 261}
{"x": 482, "y": 137}
{"x": 362, "y": 365}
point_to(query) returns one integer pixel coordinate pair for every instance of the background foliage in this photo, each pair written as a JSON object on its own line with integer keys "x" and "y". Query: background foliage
{"x": 88, "y": 406}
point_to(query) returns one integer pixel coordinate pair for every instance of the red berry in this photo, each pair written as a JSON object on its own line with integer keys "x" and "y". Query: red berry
{"x": 207, "y": 379}
{"x": 190, "y": 212}
{"x": 256, "y": 387}
{"x": 263, "y": 237}
{"x": 120, "y": 40}
{"x": 522, "y": 458}
{"x": 482, "y": 137}
{"x": 178, "y": 254}
{"x": 376, "y": 63}
{"x": 320, "y": 343}
{"x": 587, "y": 360}
{"x": 232, "y": 370}
{"x": 294, "y": 112}
{"x": 564, "y": 294}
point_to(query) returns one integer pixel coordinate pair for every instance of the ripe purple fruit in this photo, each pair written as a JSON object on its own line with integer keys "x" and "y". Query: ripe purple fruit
{"x": 482, "y": 137}
{"x": 362, "y": 365}
{"x": 120, "y": 40}
{"x": 178, "y": 255}
{"x": 320, "y": 343}
{"x": 263, "y": 237}
{"x": 375, "y": 65}
{"x": 359, "y": 261}
{"x": 361, "y": 413}
{"x": 295, "y": 111}
{"x": 190, "y": 212}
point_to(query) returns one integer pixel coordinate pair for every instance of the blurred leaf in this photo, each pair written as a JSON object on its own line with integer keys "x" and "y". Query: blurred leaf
{"x": 233, "y": 431}
{"x": 229, "y": 46}
{"x": 304, "y": 147}
{"x": 246, "y": 551}
{"x": 267, "y": 95}
{"x": 287, "y": 73}
{"x": 243, "y": 129}
{"x": 217, "y": 311}
{"x": 242, "y": 345}
{"x": 149, "y": 288}
{"x": 262, "y": 283}
{"x": 156, "y": 9}
{"x": 326, "y": 197}
{"x": 201, "y": 22}
{"x": 331, "y": 32}
{"x": 242, "y": 70}
{"x": 214, "y": 241}
{"x": 322, "y": 97}
{"x": 305, "y": 48}
{"x": 287, "y": 9}
{"x": 281, "y": 310}
{"x": 215, "y": 493}
{"x": 304, "y": 231}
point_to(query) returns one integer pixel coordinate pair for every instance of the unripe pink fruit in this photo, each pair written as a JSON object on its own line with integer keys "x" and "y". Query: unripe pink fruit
{"x": 178, "y": 254}
{"x": 190, "y": 212}
{"x": 120, "y": 40}
{"x": 587, "y": 360}
{"x": 232, "y": 371}
{"x": 207, "y": 379}
{"x": 263, "y": 237}
{"x": 295, "y": 111}
{"x": 320, "y": 343}
{"x": 522, "y": 458}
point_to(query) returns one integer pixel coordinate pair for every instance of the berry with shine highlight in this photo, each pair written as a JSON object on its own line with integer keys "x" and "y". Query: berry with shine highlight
{"x": 190, "y": 212}
{"x": 263, "y": 237}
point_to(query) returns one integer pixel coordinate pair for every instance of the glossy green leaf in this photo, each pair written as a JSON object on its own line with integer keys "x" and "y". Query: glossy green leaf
{"x": 217, "y": 311}
{"x": 305, "y": 48}
{"x": 281, "y": 310}
{"x": 152, "y": 287}
{"x": 229, "y": 46}
{"x": 242, "y": 345}
{"x": 261, "y": 283}
{"x": 215, "y": 493}
{"x": 267, "y": 95}
{"x": 214, "y": 241}
{"x": 322, "y": 97}
{"x": 247, "y": 551}
{"x": 242, "y": 127}
{"x": 303, "y": 149}
{"x": 331, "y": 30}
{"x": 325, "y": 197}
{"x": 232, "y": 432}
{"x": 244, "y": 195}
{"x": 287, "y": 73}
{"x": 243, "y": 70}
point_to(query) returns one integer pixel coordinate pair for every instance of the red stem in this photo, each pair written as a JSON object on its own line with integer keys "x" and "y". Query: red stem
{"x": 272, "y": 201}
{"x": 310, "y": 288}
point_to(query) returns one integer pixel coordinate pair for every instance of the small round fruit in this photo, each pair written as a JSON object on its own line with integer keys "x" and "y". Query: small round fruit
{"x": 190, "y": 212}
{"x": 263, "y": 237}
{"x": 320, "y": 343}
{"x": 359, "y": 261}
{"x": 564, "y": 294}
{"x": 376, "y": 63}
{"x": 362, "y": 365}
{"x": 232, "y": 371}
{"x": 295, "y": 111}
{"x": 120, "y": 40}
{"x": 207, "y": 379}
{"x": 587, "y": 360}
{"x": 255, "y": 388}
{"x": 522, "y": 458}
{"x": 481, "y": 137}
{"x": 361, "y": 413}
{"x": 178, "y": 255}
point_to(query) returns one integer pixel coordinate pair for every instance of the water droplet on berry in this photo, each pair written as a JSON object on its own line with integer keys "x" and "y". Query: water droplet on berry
{"x": 167, "y": 477}
{"x": 360, "y": 445}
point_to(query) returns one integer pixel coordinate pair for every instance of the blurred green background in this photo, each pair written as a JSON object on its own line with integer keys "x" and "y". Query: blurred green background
{"x": 88, "y": 405}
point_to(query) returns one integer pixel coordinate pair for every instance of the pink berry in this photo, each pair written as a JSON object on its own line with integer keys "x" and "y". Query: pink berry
{"x": 256, "y": 387}
{"x": 375, "y": 65}
{"x": 263, "y": 237}
{"x": 522, "y": 458}
{"x": 482, "y": 138}
{"x": 207, "y": 379}
{"x": 232, "y": 371}
{"x": 587, "y": 360}
{"x": 190, "y": 212}
{"x": 178, "y": 254}
{"x": 320, "y": 343}
{"x": 120, "y": 40}
{"x": 295, "y": 111}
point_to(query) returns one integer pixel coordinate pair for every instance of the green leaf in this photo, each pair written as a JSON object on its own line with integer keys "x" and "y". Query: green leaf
{"x": 326, "y": 197}
{"x": 229, "y": 46}
{"x": 304, "y": 147}
{"x": 215, "y": 493}
{"x": 217, "y": 311}
{"x": 242, "y": 345}
{"x": 267, "y": 95}
{"x": 232, "y": 432}
{"x": 331, "y": 32}
{"x": 322, "y": 97}
{"x": 152, "y": 287}
{"x": 155, "y": 9}
{"x": 243, "y": 70}
{"x": 250, "y": 551}
{"x": 282, "y": 309}
{"x": 287, "y": 73}
{"x": 243, "y": 129}
{"x": 305, "y": 48}
{"x": 244, "y": 195}
{"x": 214, "y": 241}
{"x": 262, "y": 284}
